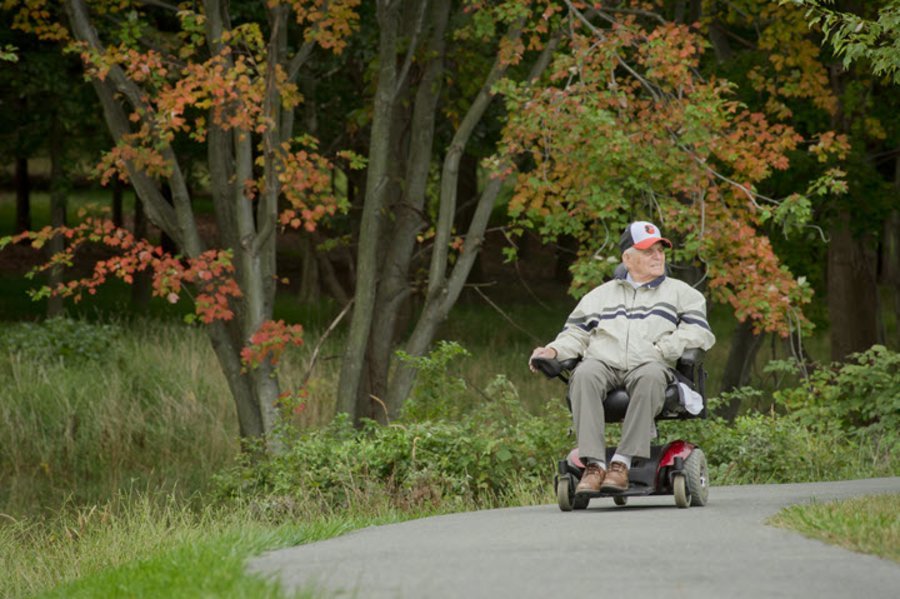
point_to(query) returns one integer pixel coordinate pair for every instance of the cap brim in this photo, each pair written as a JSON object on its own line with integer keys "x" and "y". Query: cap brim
{"x": 643, "y": 245}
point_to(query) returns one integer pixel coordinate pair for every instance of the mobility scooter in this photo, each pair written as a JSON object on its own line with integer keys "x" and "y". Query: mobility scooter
{"x": 677, "y": 468}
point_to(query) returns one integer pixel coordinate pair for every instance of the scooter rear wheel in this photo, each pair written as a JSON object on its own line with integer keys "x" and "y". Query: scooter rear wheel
{"x": 679, "y": 486}
{"x": 697, "y": 477}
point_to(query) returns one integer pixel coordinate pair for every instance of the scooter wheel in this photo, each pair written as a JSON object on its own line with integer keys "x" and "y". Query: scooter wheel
{"x": 620, "y": 499}
{"x": 566, "y": 497}
{"x": 564, "y": 494}
{"x": 697, "y": 476}
{"x": 581, "y": 502}
{"x": 679, "y": 485}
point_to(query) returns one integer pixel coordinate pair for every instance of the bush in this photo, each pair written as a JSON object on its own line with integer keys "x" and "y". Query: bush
{"x": 840, "y": 423}
{"x": 860, "y": 398}
{"x": 59, "y": 339}
{"x": 483, "y": 456}
{"x": 453, "y": 447}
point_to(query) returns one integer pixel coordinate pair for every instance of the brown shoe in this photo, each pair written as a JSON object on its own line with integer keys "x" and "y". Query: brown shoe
{"x": 616, "y": 479}
{"x": 591, "y": 479}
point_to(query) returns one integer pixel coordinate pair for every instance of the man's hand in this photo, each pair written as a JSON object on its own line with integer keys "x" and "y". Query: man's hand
{"x": 541, "y": 352}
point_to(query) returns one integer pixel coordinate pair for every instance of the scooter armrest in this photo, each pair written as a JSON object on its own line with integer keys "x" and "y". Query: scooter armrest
{"x": 692, "y": 357}
{"x": 552, "y": 368}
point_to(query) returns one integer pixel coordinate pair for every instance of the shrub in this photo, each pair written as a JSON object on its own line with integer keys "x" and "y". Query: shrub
{"x": 453, "y": 447}
{"x": 468, "y": 461}
{"x": 63, "y": 339}
{"x": 840, "y": 423}
{"x": 860, "y": 398}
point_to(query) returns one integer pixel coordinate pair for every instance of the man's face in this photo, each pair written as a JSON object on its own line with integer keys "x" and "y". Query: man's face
{"x": 646, "y": 265}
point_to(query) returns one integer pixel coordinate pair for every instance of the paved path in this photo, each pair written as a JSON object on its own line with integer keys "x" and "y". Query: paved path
{"x": 648, "y": 548}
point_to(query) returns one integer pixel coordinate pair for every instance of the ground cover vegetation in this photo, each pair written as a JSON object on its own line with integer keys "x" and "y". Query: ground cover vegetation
{"x": 282, "y": 164}
{"x": 866, "y": 524}
{"x": 109, "y": 484}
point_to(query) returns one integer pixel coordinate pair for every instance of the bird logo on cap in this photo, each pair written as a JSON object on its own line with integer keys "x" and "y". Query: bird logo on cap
{"x": 649, "y": 229}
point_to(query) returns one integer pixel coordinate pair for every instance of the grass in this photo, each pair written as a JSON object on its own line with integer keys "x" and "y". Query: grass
{"x": 139, "y": 406}
{"x": 107, "y": 460}
{"x": 145, "y": 546}
{"x": 151, "y": 545}
{"x": 864, "y": 524}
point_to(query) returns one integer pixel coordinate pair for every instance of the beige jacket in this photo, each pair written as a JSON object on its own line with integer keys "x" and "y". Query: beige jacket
{"x": 626, "y": 327}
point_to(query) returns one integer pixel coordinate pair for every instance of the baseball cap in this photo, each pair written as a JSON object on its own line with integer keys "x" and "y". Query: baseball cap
{"x": 641, "y": 234}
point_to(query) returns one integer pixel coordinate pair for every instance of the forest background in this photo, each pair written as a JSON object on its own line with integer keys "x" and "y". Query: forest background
{"x": 378, "y": 209}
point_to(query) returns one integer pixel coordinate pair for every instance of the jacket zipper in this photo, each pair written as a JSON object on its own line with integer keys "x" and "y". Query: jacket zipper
{"x": 628, "y": 310}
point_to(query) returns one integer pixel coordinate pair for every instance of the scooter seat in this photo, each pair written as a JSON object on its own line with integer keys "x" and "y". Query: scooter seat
{"x": 617, "y": 402}
{"x": 688, "y": 370}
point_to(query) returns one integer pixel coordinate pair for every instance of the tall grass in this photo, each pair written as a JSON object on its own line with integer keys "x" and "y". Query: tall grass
{"x": 142, "y": 545}
{"x": 149, "y": 408}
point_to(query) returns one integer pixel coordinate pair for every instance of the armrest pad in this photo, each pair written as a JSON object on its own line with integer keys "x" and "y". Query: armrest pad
{"x": 552, "y": 368}
{"x": 692, "y": 357}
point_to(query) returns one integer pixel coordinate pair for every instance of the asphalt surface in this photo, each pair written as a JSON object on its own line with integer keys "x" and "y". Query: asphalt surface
{"x": 648, "y": 548}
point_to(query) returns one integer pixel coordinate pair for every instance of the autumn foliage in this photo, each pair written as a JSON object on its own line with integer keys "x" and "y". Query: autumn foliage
{"x": 629, "y": 128}
{"x": 208, "y": 275}
{"x": 194, "y": 79}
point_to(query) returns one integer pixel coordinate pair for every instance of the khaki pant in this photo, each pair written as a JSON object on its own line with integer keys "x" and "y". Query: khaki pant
{"x": 646, "y": 386}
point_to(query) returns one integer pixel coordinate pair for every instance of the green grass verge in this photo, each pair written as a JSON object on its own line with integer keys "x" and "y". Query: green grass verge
{"x": 868, "y": 524}
{"x": 140, "y": 545}
{"x": 147, "y": 545}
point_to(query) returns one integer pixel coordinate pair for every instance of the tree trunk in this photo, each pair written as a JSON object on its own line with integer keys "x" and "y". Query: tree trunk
{"x": 439, "y": 302}
{"x": 443, "y": 287}
{"x": 309, "y": 270}
{"x": 467, "y": 192}
{"x": 244, "y": 227}
{"x": 852, "y": 291}
{"x": 352, "y": 367}
{"x": 394, "y": 288}
{"x": 142, "y": 288}
{"x": 55, "y": 304}
{"x": 246, "y": 402}
{"x": 117, "y": 197}
{"x": 744, "y": 347}
{"x": 23, "y": 195}
{"x": 890, "y": 264}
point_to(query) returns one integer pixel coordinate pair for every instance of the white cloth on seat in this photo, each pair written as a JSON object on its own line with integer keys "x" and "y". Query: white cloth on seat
{"x": 690, "y": 399}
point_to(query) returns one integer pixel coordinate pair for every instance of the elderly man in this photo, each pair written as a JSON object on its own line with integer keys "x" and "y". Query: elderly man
{"x": 630, "y": 331}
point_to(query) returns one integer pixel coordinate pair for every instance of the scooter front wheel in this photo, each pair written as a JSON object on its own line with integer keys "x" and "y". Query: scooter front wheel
{"x": 566, "y": 497}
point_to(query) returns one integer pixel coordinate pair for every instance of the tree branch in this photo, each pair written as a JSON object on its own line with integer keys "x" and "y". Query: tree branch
{"x": 450, "y": 172}
{"x": 410, "y": 52}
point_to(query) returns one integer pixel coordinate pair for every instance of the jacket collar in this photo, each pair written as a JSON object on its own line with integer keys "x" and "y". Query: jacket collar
{"x": 621, "y": 273}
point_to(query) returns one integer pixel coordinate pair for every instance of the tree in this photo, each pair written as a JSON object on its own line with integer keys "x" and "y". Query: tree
{"x": 49, "y": 106}
{"x": 386, "y": 246}
{"x": 223, "y": 76}
{"x": 862, "y": 245}
{"x": 629, "y": 128}
{"x": 856, "y": 37}
{"x": 867, "y": 38}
